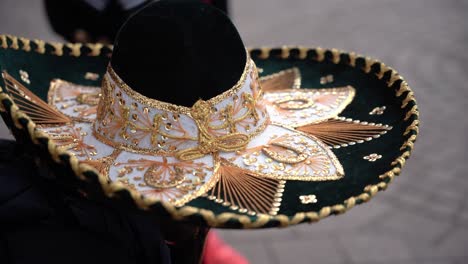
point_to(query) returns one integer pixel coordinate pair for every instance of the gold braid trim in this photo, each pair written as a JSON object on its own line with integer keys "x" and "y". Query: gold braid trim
{"x": 261, "y": 220}
{"x": 55, "y": 48}
{"x": 208, "y": 143}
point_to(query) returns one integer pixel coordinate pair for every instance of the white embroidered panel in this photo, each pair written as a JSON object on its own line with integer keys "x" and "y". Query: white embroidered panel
{"x": 76, "y": 101}
{"x": 167, "y": 178}
{"x": 297, "y": 107}
{"x": 143, "y": 124}
{"x": 281, "y": 153}
{"x": 78, "y": 139}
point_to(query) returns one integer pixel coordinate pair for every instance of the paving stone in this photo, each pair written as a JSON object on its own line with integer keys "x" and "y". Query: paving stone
{"x": 256, "y": 253}
{"x": 356, "y": 218}
{"x": 418, "y": 231}
{"x": 4, "y": 132}
{"x": 320, "y": 250}
{"x": 375, "y": 247}
{"x": 256, "y": 236}
{"x": 453, "y": 243}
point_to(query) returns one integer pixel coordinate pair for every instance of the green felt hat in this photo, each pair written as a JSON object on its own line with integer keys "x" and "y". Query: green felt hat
{"x": 318, "y": 132}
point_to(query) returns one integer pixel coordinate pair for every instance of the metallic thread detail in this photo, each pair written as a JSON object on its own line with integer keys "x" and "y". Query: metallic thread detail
{"x": 246, "y": 192}
{"x": 26, "y": 43}
{"x": 326, "y": 79}
{"x": 297, "y": 157}
{"x": 207, "y": 143}
{"x": 372, "y": 157}
{"x": 75, "y": 49}
{"x": 125, "y": 119}
{"x": 308, "y": 199}
{"x": 176, "y": 108}
{"x": 39, "y": 111}
{"x": 91, "y": 76}
{"x": 285, "y": 79}
{"x": 341, "y": 132}
{"x": 377, "y": 110}
{"x": 78, "y": 102}
{"x": 24, "y": 76}
{"x": 58, "y": 48}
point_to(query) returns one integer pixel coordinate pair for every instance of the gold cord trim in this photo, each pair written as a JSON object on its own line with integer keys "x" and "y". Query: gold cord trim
{"x": 177, "y": 108}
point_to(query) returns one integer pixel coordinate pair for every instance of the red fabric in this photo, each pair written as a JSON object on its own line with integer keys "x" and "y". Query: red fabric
{"x": 218, "y": 252}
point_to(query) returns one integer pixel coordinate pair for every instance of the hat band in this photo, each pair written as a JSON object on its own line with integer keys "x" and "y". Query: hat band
{"x": 130, "y": 121}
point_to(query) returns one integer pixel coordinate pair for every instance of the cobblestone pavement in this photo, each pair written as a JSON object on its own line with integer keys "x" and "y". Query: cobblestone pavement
{"x": 423, "y": 216}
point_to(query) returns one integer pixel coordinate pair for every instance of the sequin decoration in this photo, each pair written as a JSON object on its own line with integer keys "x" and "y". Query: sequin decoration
{"x": 75, "y": 101}
{"x": 372, "y": 157}
{"x": 377, "y": 111}
{"x": 24, "y": 76}
{"x": 326, "y": 79}
{"x": 308, "y": 199}
{"x": 91, "y": 76}
{"x": 297, "y": 107}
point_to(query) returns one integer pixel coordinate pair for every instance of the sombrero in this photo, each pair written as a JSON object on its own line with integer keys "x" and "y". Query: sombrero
{"x": 298, "y": 135}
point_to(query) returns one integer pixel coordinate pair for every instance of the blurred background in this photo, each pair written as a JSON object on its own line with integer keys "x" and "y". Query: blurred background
{"x": 423, "y": 216}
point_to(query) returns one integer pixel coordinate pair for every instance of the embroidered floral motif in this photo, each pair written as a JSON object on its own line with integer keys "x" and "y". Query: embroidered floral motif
{"x": 132, "y": 122}
{"x": 326, "y": 79}
{"x": 24, "y": 76}
{"x": 164, "y": 177}
{"x": 284, "y": 155}
{"x": 308, "y": 199}
{"x": 304, "y": 106}
{"x": 76, "y": 101}
{"x": 377, "y": 111}
{"x": 91, "y": 76}
{"x": 372, "y": 157}
{"x": 72, "y": 138}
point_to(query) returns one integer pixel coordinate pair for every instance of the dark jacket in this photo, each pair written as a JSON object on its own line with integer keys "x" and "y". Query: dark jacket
{"x": 41, "y": 224}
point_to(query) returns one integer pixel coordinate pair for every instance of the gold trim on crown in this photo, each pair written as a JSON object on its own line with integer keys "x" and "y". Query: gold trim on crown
{"x": 133, "y": 122}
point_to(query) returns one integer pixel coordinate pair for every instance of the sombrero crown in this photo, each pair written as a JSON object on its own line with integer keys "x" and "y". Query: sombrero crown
{"x": 183, "y": 120}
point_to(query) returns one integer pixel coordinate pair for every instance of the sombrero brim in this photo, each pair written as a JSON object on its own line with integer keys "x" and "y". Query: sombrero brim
{"x": 381, "y": 96}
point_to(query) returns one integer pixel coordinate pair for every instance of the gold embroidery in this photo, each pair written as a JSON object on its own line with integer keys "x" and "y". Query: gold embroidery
{"x": 299, "y": 107}
{"x": 24, "y": 76}
{"x": 102, "y": 164}
{"x": 176, "y": 108}
{"x": 91, "y": 99}
{"x": 208, "y": 143}
{"x": 308, "y": 199}
{"x": 40, "y": 46}
{"x": 315, "y": 167}
{"x": 342, "y": 132}
{"x": 167, "y": 179}
{"x": 294, "y": 102}
{"x": 372, "y": 157}
{"x": 26, "y": 44}
{"x": 75, "y": 101}
{"x": 38, "y": 110}
{"x": 326, "y": 79}
{"x": 377, "y": 111}
{"x": 126, "y": 121}
{"x": 75, "y": 49}
{"x": 286, "y": 79}
{"x": 72, "y": 138}
{"x": 297, "y": 157}
{"x": 153, "y": 177}
{"x": 91, "y": 76}
{"x": 246, "y": 192}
